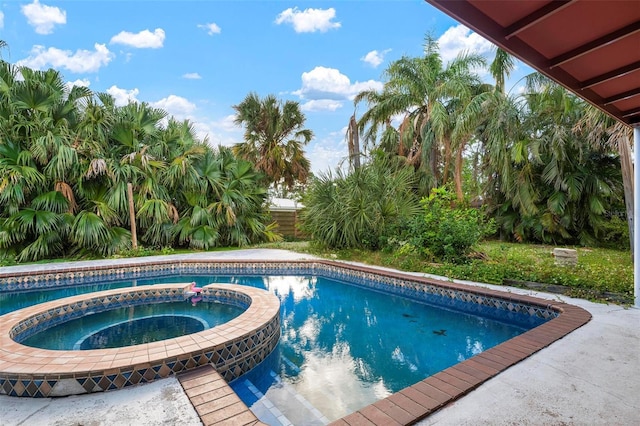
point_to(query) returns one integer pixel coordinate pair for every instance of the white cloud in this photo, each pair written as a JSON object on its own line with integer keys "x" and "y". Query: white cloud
{"x": 328, "y": 152}
{"x": 460, "y": 38}
{"x": 329, "y": 84}
{"x": 221, "y": 131}
{"x": 177, "y": 106}
{"x": 42, "y": 17}
{"x": 80, "y": 82}
{"x": 82, "y": 61}
{"x": 227, "y": 124}
{"x": 192, "y": 76}
{"x": 308, "y": 20}
{"x": 123, "y": 96}
{"x": 375, "y": 58}
{"x": 321, "y": 105}
{"x": 142, "y": 40}
{"x": 212, "y": 28}
{"x": 1, "y": 20}
{"x": 218, "y": 132}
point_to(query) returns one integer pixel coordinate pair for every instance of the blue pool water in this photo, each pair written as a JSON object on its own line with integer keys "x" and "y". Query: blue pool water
{"x": 133, "y": 325}
{"x": 342, "y": 346}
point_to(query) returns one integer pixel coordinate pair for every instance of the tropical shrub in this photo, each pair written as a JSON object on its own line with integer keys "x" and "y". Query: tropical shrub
{"x": 446, "y": 230}
{"x": 615, "y": 233}
{"x": 67, "y": 156}
{"x": 228, "y": 209}
{"x": 356, "y": 210}
{"x": 544, "y": 166}
{"x": 548, "y": 181}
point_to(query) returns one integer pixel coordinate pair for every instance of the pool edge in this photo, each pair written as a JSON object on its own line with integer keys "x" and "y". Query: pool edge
{"x": 418, "y": 401}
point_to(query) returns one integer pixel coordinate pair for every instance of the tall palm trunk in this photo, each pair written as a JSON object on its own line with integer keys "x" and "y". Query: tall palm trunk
{"x": 353, "y": 141}
{"x": 458, "y": 174}
{"x": 447, "y": 159}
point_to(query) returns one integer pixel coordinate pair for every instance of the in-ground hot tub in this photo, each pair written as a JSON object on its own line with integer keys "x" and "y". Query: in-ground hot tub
{"x": 233, "y": 348}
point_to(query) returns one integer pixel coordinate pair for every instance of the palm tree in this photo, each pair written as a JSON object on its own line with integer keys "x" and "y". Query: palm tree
{"x": 136, "y": 157}
{"x": 353, "y": 143}
{"x": 548, "y": 183}
{"x": 434, "y": 101}
{"x": 67, "y": 155}
{"x": 355, "y": 210}
{"x": 178, "y": 146}
{"x": 274, "y": 138}
{"x": 228, "y": 207}
{"x": 500, "y": 68}
{"x": 599, "y": 128}
{"x": 3, "y": 45}
{"x": 499, "y": 130}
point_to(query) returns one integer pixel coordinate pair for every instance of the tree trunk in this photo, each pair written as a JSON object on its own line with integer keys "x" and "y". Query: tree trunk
{"x": 447, "y": 160}
{"x": 353, "y": 140}
{"x": 458, "y": 174}
{"x": 433, "y": 164}
{"x": 132, "y": 217}
{"x": 627, "y": 182}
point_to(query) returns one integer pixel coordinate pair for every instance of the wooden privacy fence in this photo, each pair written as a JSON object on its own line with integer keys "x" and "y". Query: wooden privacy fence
{"x": 287, "y": 221}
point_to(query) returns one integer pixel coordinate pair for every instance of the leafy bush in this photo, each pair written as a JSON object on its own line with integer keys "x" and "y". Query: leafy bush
{"x": 446, "y": 230}
{"x": 353, "y": 211}
{"x": 615, "y": 233}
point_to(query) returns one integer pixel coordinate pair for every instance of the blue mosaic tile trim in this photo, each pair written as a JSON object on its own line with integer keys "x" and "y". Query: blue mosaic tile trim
{"x": 62, "y": 279}
{"x": 467, "y": 301}
{"x": 228, "y": 297}
{"x": 241, "y": 355}
{"x": 83, "y": 277}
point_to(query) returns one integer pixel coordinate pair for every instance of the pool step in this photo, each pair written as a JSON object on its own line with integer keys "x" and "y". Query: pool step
{"x": 215, "y": 402}
{"x": 282, "y": 405}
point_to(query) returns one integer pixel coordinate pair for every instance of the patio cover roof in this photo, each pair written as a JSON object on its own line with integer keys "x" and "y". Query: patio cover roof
{"x": 592, "y": 47}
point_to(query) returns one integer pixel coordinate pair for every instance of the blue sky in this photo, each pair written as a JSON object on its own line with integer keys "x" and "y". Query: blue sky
{"x": 196, "y": 59}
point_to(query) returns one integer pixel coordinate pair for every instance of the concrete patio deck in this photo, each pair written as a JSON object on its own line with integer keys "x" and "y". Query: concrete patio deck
{"x": 590, "y": 377}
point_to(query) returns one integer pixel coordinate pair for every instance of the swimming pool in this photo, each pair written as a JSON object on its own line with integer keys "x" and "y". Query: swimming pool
{"x": 301, "y": 285}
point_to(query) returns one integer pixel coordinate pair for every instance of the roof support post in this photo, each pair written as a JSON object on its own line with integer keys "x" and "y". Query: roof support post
{"x": 636, "y": 216}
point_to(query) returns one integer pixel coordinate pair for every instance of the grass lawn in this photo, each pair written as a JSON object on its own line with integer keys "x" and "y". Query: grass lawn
{"x": 601, "y": 274}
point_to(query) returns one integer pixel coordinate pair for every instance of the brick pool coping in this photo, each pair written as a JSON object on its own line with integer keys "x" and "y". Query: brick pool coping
{"x": 214, "y": 400}
{"x": 415, "y": 402}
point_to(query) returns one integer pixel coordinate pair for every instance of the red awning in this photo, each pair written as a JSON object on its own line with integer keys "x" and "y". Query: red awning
{"x": 591, "y": 47}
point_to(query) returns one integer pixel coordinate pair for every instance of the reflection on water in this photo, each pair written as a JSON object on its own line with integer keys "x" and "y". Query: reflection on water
{"x": 297, "y": 288}
{"x": 343, "y": 347}
{"x": 337, "y": 383}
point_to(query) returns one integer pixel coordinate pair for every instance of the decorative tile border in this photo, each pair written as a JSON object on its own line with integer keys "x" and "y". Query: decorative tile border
{"x": 233, "y": 348}
{"x": 497, "y": 305}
